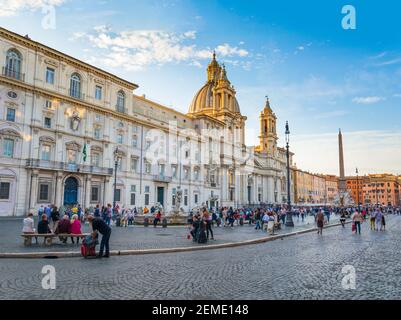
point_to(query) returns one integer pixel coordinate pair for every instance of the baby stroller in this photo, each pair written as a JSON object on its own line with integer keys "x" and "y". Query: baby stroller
{"x": 88, "y": 246}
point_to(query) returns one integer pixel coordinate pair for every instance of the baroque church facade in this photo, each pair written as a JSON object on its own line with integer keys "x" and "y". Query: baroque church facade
{"x": 66, "y": 126}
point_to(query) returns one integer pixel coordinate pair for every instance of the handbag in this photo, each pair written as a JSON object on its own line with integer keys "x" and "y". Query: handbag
{"x": 353, "y": 226}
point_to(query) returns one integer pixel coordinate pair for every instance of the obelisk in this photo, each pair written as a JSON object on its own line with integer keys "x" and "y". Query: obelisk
{"x": 342, "y": 186}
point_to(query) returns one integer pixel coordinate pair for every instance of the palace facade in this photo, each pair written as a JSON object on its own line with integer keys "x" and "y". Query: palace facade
{"x": 65, "y": 126}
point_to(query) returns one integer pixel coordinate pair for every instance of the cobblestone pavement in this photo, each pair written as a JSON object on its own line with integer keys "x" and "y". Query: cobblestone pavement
{"x": 306, "y": 266}
{"x": 139, "y": 237}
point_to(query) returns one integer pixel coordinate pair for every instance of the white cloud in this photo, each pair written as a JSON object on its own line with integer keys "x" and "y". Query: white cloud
{"x": 368, "y": 100}
{"x": 388, "y": 62}
{"x": 227, "y": 50}
{"x": 135, "y": 49}
{"x": 9, "y": 8}
{"x": 397, "y": 95}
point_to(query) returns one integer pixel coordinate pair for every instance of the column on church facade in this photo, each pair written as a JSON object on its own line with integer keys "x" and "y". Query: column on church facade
{"x": 270, "y": 183}
{"x": 34, "y": 190}
{"x": 88, "y": 191}
{"x": 255, "y": 189}
{"x": 108, "y": 196}
{"x": 237, "y": 184}
{"x": 265, "y": 189}
{"x": 224, "y": 181}
{"x": 35, "y": 145}
{"x": 59, "y": 189}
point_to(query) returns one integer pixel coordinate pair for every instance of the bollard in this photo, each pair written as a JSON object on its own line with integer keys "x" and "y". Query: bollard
{"x": 164, "y": 223}
{"x": 146, "y": 222}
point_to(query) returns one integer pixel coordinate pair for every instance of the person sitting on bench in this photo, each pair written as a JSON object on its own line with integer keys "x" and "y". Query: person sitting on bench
{"x": 75, "y": 227}
{"x": 43, "y": 225}
{"x": 28, "y": 225}
{"x": 64, "y": 227}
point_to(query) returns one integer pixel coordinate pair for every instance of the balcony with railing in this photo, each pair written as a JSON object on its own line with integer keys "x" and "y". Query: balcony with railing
{"x": 162, "y": 178}
{"x": 11, "y": 73}
{"x": 76, "y": 94}
{"x": 69, "y": 167}
{"x": 121, "y": 109}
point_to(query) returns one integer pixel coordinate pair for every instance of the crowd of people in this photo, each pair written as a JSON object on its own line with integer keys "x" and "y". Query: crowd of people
{"x": 67, "y": 220}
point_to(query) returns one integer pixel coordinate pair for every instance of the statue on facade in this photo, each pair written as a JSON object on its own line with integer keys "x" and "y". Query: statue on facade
{"x": 75, "y": 121}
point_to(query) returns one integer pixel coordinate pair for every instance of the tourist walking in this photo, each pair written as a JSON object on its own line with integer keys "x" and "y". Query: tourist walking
{"x": 372, "y": 219}
{"x": 257, "y": 219}
{"x": 342, "y": 218}
{"x": 302, "y": 214}
{"x": 357, "y": 218}
{"x": 97, "y": 211}
{"x": 379, "y": 216}
{"x": 108, "y": 215}
{"x": 383, "y": 223}
{"x": 320, "y": 222}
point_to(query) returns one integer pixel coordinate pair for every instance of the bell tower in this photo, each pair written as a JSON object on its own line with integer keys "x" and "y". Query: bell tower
{"x": 268, "y": 135}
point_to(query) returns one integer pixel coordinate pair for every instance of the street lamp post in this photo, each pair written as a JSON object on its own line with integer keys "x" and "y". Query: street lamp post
{"x": 116, "y": 151}
{"x": 288, "y": 220}
{"x": 357, "y": 189}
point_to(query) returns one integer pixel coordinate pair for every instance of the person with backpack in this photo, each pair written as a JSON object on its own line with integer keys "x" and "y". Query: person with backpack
{"x": 195, "y": 227}
{"x": 97, "y": 211}
{"x": 320, "y": 222}
{"x": 201, "y": 236}
{"x": 41, "y": 210}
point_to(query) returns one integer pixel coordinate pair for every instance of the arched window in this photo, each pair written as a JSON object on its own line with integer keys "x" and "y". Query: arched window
{"x": 13, "y": 64}
{"x": 75, "y": 86}
{"x": 120, "y": 101}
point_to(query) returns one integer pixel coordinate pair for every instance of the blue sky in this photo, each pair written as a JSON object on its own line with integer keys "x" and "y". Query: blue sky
{"x": 318, "y": 76}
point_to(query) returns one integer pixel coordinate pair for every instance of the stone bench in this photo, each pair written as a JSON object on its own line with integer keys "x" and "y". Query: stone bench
{"x": 48, "y": 237}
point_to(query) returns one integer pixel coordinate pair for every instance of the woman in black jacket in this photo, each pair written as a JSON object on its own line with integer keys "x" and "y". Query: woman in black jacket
{"x": 43, "y": 225}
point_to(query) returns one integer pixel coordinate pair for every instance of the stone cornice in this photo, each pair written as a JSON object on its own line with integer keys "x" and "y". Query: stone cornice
{"x": 66, "y": 99}
{"x": 52, "y": 53}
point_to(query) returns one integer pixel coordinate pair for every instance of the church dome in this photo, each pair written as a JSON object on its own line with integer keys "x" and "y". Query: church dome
{"x": 203, "y": 99}
{"x": 216, "y": 81}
